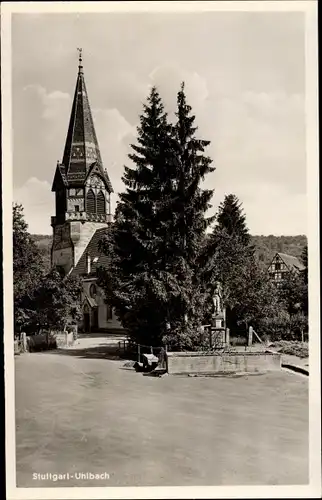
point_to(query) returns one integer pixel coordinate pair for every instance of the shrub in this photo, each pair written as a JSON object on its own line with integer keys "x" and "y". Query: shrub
{"x": 238, "y": 341}
{"x": 283, "y": 327}
{"x": 42, "y": 342}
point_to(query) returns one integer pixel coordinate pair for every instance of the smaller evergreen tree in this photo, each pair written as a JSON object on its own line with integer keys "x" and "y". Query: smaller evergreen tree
{"x": 247, "y": 294}
{"x": 232, "y": 219}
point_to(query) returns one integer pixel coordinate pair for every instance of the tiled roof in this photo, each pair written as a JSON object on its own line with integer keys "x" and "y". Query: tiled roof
{"x": 291, "y": 261}
{"x": 98, "y": 259}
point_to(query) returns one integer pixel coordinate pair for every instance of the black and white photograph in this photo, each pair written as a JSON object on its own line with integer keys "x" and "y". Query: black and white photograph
{"x": 161, "y": 249}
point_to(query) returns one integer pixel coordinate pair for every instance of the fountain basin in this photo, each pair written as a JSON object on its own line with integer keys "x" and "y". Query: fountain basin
{"x": 178, "y": 363}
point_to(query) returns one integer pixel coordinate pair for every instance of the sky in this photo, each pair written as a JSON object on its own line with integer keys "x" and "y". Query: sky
{"x": 245, "y": 80}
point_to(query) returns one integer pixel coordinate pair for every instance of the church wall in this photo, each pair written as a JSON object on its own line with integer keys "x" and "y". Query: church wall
{"x": 81, "y": 234}
{"x": 72, "y": 202}
{"x": 63, "y": 257}
{"x": 75, "y": 236}
{"x": 104, "y": 323}
{"x": 62, "y": 249}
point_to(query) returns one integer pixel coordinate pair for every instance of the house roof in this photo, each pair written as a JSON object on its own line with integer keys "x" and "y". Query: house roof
{"x": 81, "y": 147}
{"x": 291, "y": 261}
{"x": 98, "y": 259}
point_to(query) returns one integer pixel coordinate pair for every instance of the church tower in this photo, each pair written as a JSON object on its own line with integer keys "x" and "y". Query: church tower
{"x": 81, "y": 185}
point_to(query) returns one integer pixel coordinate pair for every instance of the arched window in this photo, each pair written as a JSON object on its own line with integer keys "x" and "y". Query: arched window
{"x": 93, "y": 291}
{"x": 101, "y": 203}
{"x": 90, "y": 202}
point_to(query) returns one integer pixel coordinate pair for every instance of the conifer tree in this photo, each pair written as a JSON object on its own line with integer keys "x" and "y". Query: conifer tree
{"x": 232, "y": 261}
{"x": 134, "y": 282}
{"x": 232, "y": 219}
{"x": 154, "y": 278}
{"x": 189, "y": 205}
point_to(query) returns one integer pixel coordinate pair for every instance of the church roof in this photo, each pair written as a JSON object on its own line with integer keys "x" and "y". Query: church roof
{"x": 98, "y": 259}
{"x": 59, "y": 177}
{"x": 91, "y": 301}
{"x": 81, "y": 147}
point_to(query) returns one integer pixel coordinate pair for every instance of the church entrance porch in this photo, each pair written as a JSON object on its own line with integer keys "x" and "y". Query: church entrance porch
{"x": 90, "y": 318}
{"x": 97, "y": 314}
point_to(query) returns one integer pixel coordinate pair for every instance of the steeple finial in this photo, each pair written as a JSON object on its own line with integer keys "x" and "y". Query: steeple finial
{"x": 80, "y": 65}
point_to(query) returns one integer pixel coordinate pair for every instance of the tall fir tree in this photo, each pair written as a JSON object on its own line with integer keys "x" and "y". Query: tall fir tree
{"x": 188, "y": 227}
{"x": 154, "y": 278}
{"x": 134, "y": 282}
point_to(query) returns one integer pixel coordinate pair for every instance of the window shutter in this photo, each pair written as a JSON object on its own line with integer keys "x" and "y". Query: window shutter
{"x": 90, "y": 202}
{"x": 101, "y": 203}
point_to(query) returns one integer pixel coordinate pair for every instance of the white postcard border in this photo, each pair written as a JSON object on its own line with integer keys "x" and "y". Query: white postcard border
{"x": 314, "y": 487}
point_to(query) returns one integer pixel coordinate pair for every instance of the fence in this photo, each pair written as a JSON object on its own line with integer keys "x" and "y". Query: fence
{"x": 44, "y": 341}
{"x": 137, "y": 351}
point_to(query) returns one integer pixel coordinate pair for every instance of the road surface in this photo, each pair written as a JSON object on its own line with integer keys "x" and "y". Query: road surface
{"x": 80, "y": 411}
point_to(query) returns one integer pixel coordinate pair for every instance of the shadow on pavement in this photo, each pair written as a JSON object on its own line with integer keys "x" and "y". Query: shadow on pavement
{"x": 102, "y": 351}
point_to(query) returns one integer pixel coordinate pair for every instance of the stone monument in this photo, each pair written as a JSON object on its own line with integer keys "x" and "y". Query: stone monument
{"x": 218, "y": 315}
{"x": 218, "y": 329}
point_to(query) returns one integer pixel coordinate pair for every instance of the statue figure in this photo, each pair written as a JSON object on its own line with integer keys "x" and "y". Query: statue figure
{"x": 217, "y": 301}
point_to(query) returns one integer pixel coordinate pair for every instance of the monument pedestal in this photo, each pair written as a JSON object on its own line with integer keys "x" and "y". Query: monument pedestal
{"x": 218, "y": 335}
{"x": 218, "y": 338}
{"x": 218, "y": 323}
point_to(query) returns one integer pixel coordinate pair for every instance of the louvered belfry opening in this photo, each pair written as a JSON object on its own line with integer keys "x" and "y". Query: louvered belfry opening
{"x": 101, "y": 205}
{"x": 90, "y": 202}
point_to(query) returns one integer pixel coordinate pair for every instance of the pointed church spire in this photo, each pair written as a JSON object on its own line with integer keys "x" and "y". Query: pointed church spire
{"x": 81, "y": 148}
{"x": 80, "y": 60}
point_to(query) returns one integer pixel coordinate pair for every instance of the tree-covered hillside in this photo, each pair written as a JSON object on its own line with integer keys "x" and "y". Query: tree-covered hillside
{"x": 266, "y": 246}
{"x": 43, "y": 242}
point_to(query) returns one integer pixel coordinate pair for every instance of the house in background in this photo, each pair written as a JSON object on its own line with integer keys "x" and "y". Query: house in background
{"x": 281, "y": 265}
{"x": 83, "y": 211}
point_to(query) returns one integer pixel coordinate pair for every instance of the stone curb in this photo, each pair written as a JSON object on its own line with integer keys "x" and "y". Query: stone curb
{"x": 296, "y": 368}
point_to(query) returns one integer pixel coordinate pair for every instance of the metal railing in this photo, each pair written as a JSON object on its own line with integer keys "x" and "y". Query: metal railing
{"x": 139, "y": 350}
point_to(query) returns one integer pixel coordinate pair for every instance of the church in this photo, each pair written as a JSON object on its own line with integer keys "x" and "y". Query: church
{"x": 83, "y": 211}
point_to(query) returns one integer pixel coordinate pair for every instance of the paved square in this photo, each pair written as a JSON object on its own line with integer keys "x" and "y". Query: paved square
{"x": 80, "y": 413}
